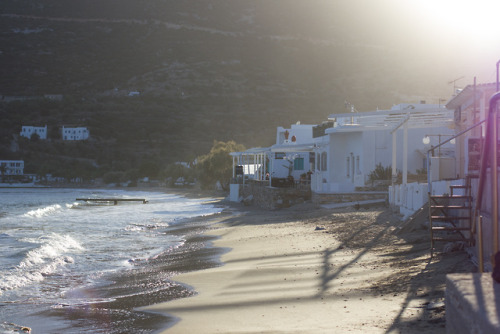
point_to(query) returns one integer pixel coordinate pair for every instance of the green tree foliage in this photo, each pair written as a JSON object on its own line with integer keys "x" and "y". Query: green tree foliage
{"x": 175, "y": 171}
{"x": 381, "y": 173}
{"x": 217, "y": 164}
{"x": 3, "y": 169}
{"x": 114, "y": 177}
{"x": 54, "y": 132}
{"x": 149, "y": 169}
{"x": 35, "y": 137}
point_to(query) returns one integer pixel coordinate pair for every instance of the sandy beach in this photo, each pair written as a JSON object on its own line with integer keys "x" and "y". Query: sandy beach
{"x": 307, "y": 269}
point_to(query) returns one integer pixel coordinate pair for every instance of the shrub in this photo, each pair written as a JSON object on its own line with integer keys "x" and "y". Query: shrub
{"x": 380, "y": 173}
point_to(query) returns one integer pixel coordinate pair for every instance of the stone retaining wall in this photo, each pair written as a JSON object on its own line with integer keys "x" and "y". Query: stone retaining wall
{"x": 272, "y": 198}
{"x": 347, "y": 197}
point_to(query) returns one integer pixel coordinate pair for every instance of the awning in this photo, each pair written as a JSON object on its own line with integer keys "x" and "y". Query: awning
{"x": 293, "y": 148}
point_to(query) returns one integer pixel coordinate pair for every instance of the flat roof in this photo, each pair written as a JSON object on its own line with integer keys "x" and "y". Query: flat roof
{"x": 392, "y": 119}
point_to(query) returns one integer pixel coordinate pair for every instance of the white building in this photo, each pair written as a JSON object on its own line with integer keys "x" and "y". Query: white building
{"x": 75, "y": 133}
{"x": 291, "y": 156}
{"x": 470, "y": 106}
{"x": 290, "y": 160}
{"x": 338, "y": 156}
{"x": 11, "y": 167}
{"x": 28, "y": 131}
{"x": 358, "y": 142}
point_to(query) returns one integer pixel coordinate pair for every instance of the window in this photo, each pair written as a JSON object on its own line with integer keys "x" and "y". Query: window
{"x": 358, "y": 171}
{"x": 348, "y": 166}
{"x": 298, "y": 164}
{"x": 279, "y": 155}
{"x": 323, "y": 161}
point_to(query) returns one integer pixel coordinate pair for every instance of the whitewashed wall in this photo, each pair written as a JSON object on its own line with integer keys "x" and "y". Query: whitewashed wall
{"x": 411, "y": 197}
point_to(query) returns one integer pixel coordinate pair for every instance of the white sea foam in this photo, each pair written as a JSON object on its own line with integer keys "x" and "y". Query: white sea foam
{"x": 133, "y": 228}
{"x": 51, "y": 247}
{"x": 42, "y": 255}
{"x": 40, "y": 261}
{"x": 42, "y": 212}
{"x": 72, "y": 205}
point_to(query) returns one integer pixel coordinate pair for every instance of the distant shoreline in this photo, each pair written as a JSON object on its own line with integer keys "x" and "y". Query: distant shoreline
{"x": 187, "y": 192}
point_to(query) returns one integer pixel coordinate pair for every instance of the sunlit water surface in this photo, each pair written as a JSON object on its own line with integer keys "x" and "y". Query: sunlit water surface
{"x": 67, "y": 266}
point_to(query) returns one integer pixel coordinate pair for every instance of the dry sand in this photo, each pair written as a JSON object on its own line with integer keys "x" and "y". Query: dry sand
{"x": 310, "y": 270}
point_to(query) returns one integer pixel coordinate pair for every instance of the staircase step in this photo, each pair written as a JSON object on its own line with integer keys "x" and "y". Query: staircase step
{"x": 446, "y": 228}
{"x": 450, "y": 239}
{"x": 450, "y": 197}
{"x": 449, "y": 217}
{"x": 450, "y": 207}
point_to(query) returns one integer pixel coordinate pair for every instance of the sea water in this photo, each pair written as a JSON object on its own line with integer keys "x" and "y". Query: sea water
{"x": 68, "y": 266}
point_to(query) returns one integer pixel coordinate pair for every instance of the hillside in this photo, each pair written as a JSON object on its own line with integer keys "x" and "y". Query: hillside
{"x": 205, "y": 70}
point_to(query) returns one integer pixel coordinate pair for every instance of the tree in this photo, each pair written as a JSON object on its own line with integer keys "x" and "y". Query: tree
{"x": 217, "y": 165}
{"x": 149, "y": 169}
{"x": 35, "y": 137}
{"x": 3, "y": 169}
{"x": 114, "y": 177}
{"x": 54, "y": 133}
{"x": 175, "y": 171}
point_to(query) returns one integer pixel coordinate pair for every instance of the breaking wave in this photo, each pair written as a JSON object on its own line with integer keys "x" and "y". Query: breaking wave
{"x": 39, "y": 262}
{"x": 42, "y": 212}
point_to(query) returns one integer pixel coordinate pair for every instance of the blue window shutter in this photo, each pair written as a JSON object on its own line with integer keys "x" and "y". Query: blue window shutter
{"x": 298, "y": 164}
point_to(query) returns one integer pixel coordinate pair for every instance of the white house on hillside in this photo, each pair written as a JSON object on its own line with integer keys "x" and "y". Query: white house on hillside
{"x": 12, "y": 167}
{"x": 75, "y": 133}
{"x": 28, "y": 131}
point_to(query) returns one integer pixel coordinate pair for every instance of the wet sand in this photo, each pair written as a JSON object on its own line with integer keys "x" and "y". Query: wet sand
{"x": 310, "y": 270}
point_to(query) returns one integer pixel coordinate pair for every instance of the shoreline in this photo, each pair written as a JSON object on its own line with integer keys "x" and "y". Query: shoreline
{"x": 311, "y": 270}
{"x": 197, "y": 251}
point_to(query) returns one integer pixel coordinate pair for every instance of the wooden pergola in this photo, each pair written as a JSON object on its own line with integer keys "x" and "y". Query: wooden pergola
{"x": 255, "y": 157}
{"x": 393, "y": 120}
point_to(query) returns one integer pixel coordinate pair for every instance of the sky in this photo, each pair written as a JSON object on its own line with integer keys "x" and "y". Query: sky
{"x": 461, "y": 36}
{"x": 443, "y": 42}
{"x": 441, "y": 39}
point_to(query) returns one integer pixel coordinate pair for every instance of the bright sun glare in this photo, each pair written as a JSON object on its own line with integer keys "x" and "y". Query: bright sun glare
{"x": 477, "y": 19}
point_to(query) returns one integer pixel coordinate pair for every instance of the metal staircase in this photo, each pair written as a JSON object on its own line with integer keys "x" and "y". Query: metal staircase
{"x": 456, "y": 217}
{"x": 450, "y": 215}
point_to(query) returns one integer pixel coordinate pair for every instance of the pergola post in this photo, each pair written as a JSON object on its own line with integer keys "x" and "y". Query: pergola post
{"x": 404, "y": 123}
{"x": 271, "y": 161}
{"x": 405, "y": 153}
{"x": 394, "y": 159}
{"x": 234, "y": 167}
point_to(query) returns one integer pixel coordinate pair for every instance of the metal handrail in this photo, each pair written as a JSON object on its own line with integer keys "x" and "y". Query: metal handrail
{"x": 429, "y": 183}
{"x": 492, "y": 134}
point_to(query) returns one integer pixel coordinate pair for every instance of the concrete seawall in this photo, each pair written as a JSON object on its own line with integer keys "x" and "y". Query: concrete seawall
{"x": 472, "y": 304}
